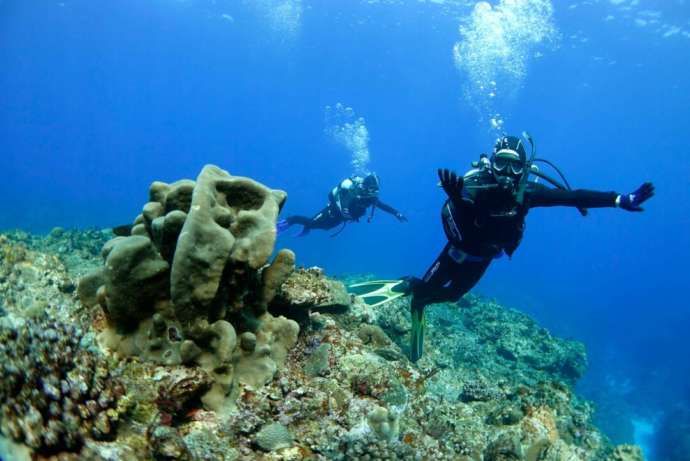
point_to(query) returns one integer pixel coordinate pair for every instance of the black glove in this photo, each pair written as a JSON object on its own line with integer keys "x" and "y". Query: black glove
{"x": 401, "y": 217}
{"x": 632, "y": 201}
{"x": 451, "y": 184}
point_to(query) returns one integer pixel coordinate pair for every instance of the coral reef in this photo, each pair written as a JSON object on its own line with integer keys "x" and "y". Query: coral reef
{"x": 33, "y": 283}
{"x": 55, "y": 394}
{"x": 226, "y": 356}
{"x": 627, "y": 453}
{"x": 76, "y": 249}
{"x": 481, "y": 333}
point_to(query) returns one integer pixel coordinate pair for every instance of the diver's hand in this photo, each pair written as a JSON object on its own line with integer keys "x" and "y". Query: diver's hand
{"x": 451, "y": 183}
{"x": 400, "y": 217}
{"x": 632, "y": 201}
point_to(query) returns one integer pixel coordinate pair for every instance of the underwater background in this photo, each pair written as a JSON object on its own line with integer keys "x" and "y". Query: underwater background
{"x": 98, "y": 99}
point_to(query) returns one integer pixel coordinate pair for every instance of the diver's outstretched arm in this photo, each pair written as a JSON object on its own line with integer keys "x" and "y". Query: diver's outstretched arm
{"x": 542, "y": 196}
{"x": 389, "y": 209}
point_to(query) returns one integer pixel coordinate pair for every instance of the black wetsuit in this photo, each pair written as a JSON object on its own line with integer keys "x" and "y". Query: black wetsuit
{"x": 344, "y": 205}
{"x": 483, "y": 225}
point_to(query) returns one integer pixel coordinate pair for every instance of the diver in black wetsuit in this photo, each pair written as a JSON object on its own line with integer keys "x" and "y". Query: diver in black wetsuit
{"x": 347, "y": 202}
{"x": 484, "y": 217}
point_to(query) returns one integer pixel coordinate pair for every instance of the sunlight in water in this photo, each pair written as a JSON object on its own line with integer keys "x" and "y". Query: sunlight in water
{"x": 644, "y": 434}
{"x": 351, "y": 132}
{"x": 496, "y": 43}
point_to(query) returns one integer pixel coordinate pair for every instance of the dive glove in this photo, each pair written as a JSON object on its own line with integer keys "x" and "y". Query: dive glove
{"x": 632, "y": 201}
{"x": 451, "y": 184}
{"x": 400, "y": 217}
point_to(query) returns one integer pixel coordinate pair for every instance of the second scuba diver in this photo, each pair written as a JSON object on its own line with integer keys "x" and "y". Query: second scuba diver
{"x": 347, "y": 202}
{"x": 483, "y": 218}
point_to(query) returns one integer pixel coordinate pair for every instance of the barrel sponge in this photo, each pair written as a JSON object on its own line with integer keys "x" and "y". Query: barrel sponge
{"x": 174, "y": 196}
{"x": 260, "y": 355}
{"x": 275, "y": 275}
{"x": 193, "y": 271}
{"x": 231, "y": 222}
{"x": 135, "y": 277}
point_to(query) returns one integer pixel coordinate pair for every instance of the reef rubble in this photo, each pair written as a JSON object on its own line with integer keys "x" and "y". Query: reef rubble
{"x": 193, "y": 339}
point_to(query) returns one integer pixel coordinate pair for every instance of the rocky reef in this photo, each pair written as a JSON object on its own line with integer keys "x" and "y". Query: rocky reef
{"x": 186, "y": 341}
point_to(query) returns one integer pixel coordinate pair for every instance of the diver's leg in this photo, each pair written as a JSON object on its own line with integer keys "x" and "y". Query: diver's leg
{"x": 303, "y": 221}
{"x": 426, "y": 291}
{"x": 430, "y": 289}
{"x": 465, "y": 276}
{"x": 326, "y": 219}
{"x": 445, "y": 281}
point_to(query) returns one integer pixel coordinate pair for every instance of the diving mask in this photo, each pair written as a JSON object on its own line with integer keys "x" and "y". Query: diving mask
{"x": 507, "y": 161}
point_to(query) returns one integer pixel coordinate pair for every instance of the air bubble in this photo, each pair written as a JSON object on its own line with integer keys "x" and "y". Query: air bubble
{"x": 350, "y": 131}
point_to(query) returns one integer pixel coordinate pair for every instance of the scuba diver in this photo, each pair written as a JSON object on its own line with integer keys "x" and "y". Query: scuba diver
{"x": 347, "y": 202}
{"x": 484, "y": 218}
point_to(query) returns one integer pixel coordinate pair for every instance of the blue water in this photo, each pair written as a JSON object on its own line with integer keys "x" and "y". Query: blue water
{"x": 98, "y": 99}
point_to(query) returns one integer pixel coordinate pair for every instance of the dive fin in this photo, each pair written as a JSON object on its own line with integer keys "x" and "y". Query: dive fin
{"x": 417, "y": 334}
{"x": 305, "y": 230}
{"x": 282, "y": 226}
{"x": 377, "y": 292}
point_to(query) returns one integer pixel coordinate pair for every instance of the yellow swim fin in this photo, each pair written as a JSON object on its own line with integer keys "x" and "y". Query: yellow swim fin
{"x": 377, "y": 292}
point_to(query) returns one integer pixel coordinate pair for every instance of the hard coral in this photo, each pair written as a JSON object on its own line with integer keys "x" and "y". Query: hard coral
{"x": 54, "y": 394}
{"x": 306, "y": 290}
{"x": 373, "y": 448}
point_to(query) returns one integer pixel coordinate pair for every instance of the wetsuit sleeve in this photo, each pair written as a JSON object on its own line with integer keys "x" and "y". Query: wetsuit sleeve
{"x": 542, "y": 196}
{"x": 387, "y": 208}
